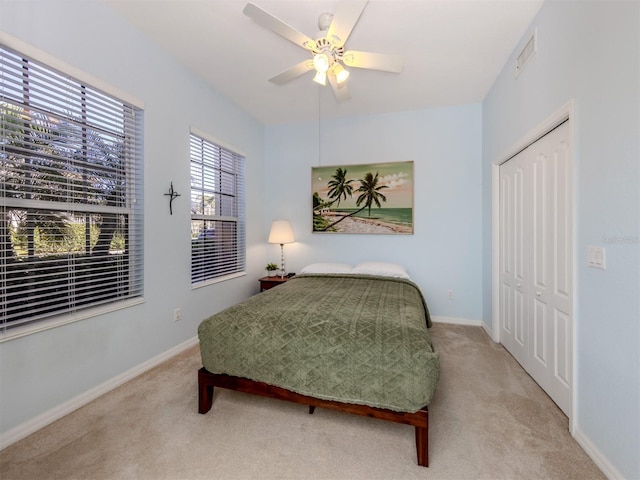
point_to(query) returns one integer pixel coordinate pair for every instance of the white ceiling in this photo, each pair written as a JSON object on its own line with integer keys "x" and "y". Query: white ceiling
{"x": 453, "y": 51}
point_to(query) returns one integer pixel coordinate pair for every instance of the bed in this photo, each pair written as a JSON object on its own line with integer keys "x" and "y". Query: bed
{"x": 353, "y": 342}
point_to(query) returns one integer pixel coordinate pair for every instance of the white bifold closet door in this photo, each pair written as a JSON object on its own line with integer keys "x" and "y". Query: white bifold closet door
{"x": 536, "y": 262}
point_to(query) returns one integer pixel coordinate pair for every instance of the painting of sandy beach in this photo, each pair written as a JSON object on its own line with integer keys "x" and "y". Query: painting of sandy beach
{"x": 370, "y": 198}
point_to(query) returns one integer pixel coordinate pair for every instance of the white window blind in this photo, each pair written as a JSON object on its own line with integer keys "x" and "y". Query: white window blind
{"x": 217, "y": 211}
{"x": 70, "y": 197}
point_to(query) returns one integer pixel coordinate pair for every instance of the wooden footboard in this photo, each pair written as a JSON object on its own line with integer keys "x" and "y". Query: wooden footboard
{"x": 419, "y": 419}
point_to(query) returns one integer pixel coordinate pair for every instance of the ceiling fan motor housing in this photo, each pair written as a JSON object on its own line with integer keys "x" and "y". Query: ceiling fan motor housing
{"x": 326, "y": 47}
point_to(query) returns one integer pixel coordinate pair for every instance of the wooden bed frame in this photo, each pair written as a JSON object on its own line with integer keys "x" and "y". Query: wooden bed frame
{"x": 419, "y": 419}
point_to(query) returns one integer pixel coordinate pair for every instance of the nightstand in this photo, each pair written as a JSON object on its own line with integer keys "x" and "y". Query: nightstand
{"x": 269, "y": 282}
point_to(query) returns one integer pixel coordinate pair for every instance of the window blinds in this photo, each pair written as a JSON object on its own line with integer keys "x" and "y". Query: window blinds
{"x": 70, "y": 197}
{"x": 217, "y": 211}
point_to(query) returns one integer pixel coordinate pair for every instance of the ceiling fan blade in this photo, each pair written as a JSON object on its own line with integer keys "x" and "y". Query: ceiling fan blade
{"x": 373, "y": 61}
{"x": 340, "y": 91}
{"x": 344, "y": 19}
{"x": 293, "y": 72}
{"x": 267, "y": 20}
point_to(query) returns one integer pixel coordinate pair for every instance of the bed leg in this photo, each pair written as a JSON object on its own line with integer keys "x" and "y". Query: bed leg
{"x": 422, "y": 446}
{"x": 205, "y": 395}
{"x": 312, "y": 409}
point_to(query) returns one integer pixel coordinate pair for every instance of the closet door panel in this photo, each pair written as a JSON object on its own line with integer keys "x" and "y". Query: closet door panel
{"x": 562, "y": 348}
{"x": 520, "y": 308}
{"x": 514, "y": 309}
{"x": 559, "y": 295}
{"x": 540, "y": 341}
{"x": 562, "y": 220}
{"x": 540, "y": 193}
{"x": 520, "y": 260}
{"x": 536, "y": 262}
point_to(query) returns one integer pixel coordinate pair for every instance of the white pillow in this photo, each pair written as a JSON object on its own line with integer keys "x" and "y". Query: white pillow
{"x": 383, "y": 269}
{"x": 327, "y": 268}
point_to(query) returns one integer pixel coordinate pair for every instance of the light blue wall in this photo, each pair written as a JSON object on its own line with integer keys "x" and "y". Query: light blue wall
{"x": 444, "y": 253}
{"x": 41, "y": 371}
{"x": 589, "y": 52}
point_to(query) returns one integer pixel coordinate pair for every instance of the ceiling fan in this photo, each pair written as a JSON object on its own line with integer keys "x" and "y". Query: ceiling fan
{"x": 328, "y": 54}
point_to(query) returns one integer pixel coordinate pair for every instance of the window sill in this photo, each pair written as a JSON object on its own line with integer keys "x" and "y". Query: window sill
{"x": 65, "y": 319}
{"x": 213, "y": 281}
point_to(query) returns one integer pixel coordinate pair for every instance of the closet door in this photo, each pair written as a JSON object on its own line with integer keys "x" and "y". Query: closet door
{"x": 551, "y": 326}
{"x": 514, "y": 237}
{"x": 536, "y": 253}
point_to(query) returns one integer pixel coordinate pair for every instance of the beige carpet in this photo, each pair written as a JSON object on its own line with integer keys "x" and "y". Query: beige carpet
{"x": 488, "y": 420}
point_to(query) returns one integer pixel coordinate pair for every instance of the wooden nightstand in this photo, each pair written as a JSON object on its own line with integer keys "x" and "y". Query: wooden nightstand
{"x": 269, "y": 282}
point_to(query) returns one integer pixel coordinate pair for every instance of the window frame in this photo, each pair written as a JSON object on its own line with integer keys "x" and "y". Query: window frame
{"x": 132, "y": 209}
{"x": 238, "y": 219}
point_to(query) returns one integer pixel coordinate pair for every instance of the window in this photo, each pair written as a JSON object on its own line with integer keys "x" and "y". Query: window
{"x": 217, "y": 211}
{"x": 70, "y": 195}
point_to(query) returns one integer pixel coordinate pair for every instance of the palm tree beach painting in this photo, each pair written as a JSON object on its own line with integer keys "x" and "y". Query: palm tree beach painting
{"x": 370, "y": 198}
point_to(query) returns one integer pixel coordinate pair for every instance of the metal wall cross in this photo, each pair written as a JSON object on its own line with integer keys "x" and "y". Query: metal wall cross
{"x": 172, "y": 196}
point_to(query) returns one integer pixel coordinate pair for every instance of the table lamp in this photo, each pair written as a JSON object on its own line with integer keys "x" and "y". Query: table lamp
{"x": 281, "y": 233}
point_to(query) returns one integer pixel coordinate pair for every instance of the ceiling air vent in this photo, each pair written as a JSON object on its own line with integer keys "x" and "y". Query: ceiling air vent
{"x": 526, "y": 54}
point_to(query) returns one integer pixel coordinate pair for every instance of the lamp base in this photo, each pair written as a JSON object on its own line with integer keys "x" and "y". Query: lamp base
{"x": 283, "y": 271}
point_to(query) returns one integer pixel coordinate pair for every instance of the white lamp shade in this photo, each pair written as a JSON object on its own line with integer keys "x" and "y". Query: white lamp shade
{"x": 321, "y": 62}
{"x": 340, "y": 73}
{"x": 281, "y": 232}
{"x": 320, "y": 78}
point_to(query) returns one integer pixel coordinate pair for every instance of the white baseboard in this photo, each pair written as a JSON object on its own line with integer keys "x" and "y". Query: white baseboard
{"x": 597, "y": 456}
{"x": 50, "y": 416}
{"x": 489, "y": 331}
{"x": 465, "y": 321}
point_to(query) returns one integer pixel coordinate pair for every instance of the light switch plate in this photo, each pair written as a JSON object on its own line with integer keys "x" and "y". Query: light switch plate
{"x": 596, "y": 257}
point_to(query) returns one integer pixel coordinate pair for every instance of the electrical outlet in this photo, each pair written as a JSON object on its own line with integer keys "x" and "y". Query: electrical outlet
{"x": 450, "y": 294}
{"x": 177, "y": 314}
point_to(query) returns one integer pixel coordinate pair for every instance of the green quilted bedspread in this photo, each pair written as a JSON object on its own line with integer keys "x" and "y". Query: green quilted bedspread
{"x": 348, "y": 338}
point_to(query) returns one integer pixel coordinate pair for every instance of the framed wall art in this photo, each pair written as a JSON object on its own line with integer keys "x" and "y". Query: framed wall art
{"x": 374, "y": 198}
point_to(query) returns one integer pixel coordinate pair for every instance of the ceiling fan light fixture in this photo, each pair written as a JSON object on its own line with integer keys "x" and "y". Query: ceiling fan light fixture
{"x": 340, "y": 72}
{"x": 321, "y": 62}
{"x": 328, "y": 54}
{"x": 320, "y": 78}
